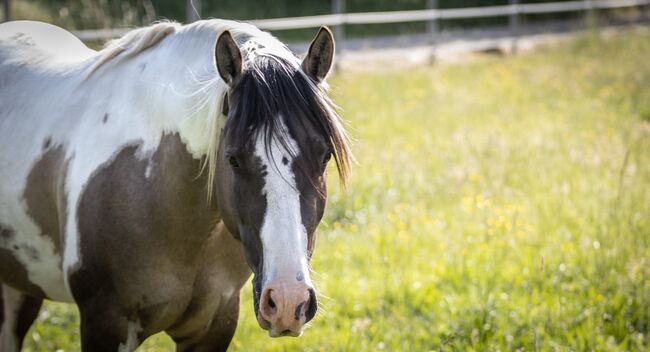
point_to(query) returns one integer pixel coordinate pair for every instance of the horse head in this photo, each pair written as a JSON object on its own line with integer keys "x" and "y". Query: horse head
{"x": 281, "y": 131}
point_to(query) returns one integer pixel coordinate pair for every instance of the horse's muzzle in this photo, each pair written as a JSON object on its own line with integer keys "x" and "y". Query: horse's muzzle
{"x": 285, "y": 307}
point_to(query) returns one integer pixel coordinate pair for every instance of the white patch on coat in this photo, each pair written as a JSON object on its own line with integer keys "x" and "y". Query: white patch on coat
{"x": 37, "y": 252}
{"x": 132, "y": 342}
{"x": 284, "y": 237}
{"x": 12, "y": 301}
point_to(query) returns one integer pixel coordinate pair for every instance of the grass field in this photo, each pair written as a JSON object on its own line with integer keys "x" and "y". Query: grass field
{"x": 501, "y": 204}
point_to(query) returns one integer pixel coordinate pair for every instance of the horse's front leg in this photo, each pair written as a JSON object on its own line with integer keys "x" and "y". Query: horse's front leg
{"x": 17, "y": 313}
{"x": 218, "y": 335}
{"x": 104, "y": 326}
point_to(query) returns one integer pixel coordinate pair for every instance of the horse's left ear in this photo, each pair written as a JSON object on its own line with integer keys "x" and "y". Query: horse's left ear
{"x": 318, "y": 61}
{"x": 228, "y": 57}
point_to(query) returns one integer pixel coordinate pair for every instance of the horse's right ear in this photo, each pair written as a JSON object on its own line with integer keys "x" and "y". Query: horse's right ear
{"x": 228, "y": 58}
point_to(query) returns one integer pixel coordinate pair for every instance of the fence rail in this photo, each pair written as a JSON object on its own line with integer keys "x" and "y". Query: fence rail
{"x": 438, "y": 14}
{"x": 432, "y": 15}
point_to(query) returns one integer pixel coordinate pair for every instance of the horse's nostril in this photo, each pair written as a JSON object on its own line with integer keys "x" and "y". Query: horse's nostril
{"x": 268, "y": 307}
{"x": 313, "y": 305}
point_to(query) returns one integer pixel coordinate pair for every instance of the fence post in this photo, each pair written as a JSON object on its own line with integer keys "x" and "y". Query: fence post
{"x": 192, "y": 10}
{"x": 514, "y": 25}
{"x": 338, "y": 7}
{"x": 6, "y": 7}
{"x": 432, "y": 30}
{"x": 590, "y": 14}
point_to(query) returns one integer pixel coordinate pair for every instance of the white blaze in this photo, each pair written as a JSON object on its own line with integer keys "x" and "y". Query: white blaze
{"x": 284, "y": 237}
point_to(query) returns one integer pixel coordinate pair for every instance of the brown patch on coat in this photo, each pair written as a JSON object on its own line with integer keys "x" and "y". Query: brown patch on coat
{"x": 218, "y": 334}
{"x": 143, "y": 221}
{"x": 12, "y": 271}
{"x": 45, "y": 195}
{"x": 215, "y": 296}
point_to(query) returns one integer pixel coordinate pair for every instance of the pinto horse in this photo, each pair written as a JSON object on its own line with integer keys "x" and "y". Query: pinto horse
{"x": 146, "y": 181}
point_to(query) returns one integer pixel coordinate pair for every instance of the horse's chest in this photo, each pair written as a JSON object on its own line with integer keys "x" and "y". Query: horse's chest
{"x": 183, "y": 300}
{"x": 222, "y": 274}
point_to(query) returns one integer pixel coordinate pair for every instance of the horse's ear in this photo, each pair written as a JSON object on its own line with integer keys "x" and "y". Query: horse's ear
{"x": 320, "y": 56}
{"x": 228, "y": 57}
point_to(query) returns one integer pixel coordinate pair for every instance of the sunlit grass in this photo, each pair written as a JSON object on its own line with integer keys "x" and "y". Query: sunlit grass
{"x": 498, "y": 205}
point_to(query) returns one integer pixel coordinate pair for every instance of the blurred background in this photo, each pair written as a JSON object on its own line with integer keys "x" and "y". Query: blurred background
{"x": 501, "y": 199}
{"x": 361, "y": 24}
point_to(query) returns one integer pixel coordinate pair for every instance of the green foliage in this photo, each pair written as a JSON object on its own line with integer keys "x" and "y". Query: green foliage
{"x": 497, "y": 205}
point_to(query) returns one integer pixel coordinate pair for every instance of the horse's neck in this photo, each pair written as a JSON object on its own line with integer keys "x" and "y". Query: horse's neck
{"x": 163, "y": 91}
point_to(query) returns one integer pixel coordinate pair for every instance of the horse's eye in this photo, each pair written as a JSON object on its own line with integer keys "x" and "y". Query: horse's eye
{"x": 327, "y": 158}
{"x": 233, "y": 162}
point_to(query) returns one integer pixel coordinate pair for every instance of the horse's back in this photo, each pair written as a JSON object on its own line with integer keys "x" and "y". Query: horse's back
{"x": 38, "y": 61}
{"x": 22, "y": 41}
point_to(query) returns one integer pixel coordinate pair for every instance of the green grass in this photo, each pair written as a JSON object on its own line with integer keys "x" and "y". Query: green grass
{"x": 502, "y": 204}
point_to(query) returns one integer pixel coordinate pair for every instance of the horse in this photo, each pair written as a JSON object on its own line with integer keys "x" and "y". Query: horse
{"x": 146, "y": 182}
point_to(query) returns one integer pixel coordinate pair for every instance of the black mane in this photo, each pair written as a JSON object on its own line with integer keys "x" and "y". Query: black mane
{"x": 271, "y": 88}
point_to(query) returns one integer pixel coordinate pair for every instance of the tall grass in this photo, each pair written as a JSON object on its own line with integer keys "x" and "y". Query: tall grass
{"x": 502, "y": 204}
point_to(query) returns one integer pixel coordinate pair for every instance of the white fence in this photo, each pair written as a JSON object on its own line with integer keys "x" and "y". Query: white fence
{"x": 432, "y": 15}
{"x": 439, "y": 14}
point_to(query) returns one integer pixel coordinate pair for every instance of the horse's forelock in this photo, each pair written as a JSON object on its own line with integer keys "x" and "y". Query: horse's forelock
{"x": 273, "y": 88}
